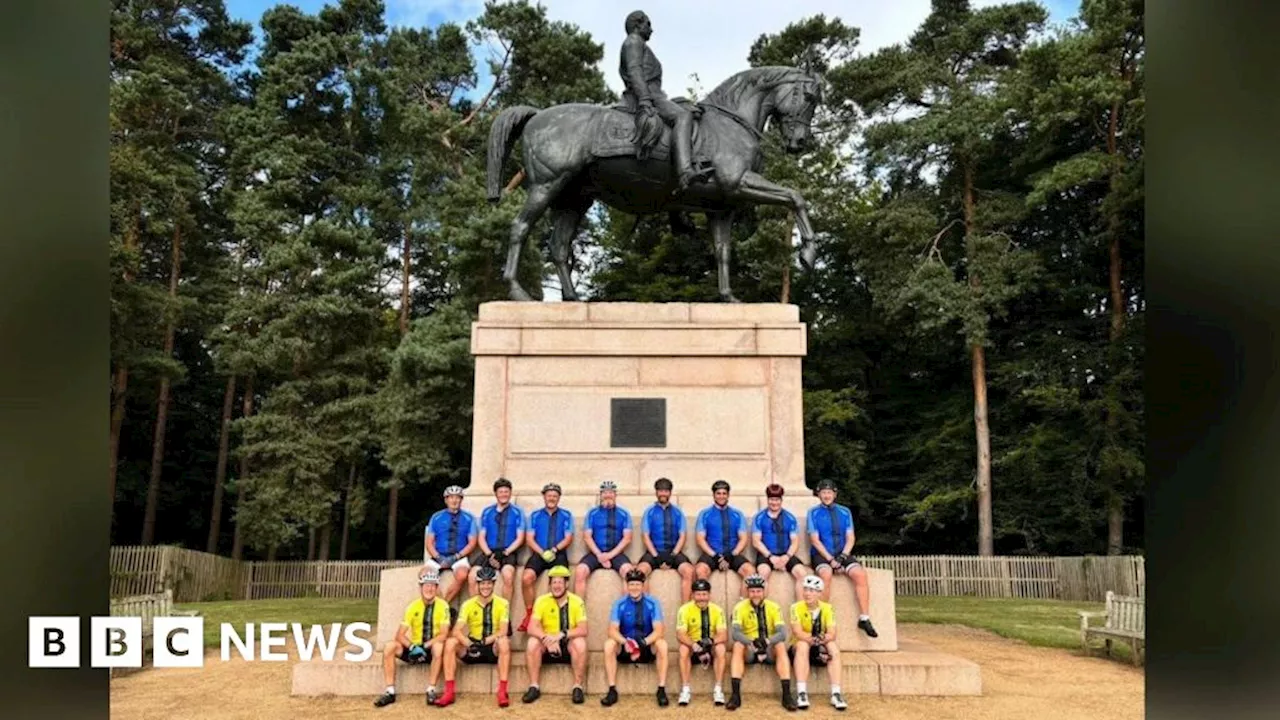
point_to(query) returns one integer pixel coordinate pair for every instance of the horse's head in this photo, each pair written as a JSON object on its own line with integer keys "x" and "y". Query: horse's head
{"x": 794, "y": 101}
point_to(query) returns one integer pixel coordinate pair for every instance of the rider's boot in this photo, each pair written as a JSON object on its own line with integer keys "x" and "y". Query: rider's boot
{"x": 683, "y": 150}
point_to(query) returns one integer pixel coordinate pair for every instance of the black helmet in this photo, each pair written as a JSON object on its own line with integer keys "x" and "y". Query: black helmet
{"x": 635, "y": 575}
{"x": 662, "y": 484}
{"x": 719, "y": 485}
{"x": 824, "y": 485}
{"x": 551, "y": 486}
{"x": 486, "y": 574}
{"x": 501, "y": 483}
{"x": 702, "y": 585}
{"x": 755, "y": 581}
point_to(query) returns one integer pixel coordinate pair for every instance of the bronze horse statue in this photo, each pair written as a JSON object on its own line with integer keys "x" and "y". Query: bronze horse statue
{"x": 576, "y": 153}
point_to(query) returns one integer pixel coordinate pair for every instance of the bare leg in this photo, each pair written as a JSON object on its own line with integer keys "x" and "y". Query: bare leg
{"x": 580, "y": 575}
{"x": 861, "y": 589}
{"x": 835, "y": 671}
{"x": 451, "y": 650}
{"x": 802, "y": 661}
{"x": 389, "y": 655}
{"x": 738, "y": 664}
{"x": 509, "y": 582}
{"x": 660, "y": 653}
{"x": 578, "y": 657}
{"x": 824, "y": 572}
{"x": 437, "y": 661}
{"x": 527, "y": 581}
{"x": 721, "y": 223}
{"x": 686, "y": 664}
{"x": 611, "y": 662}
{"x": 799, "y": 572}
{"x": 533, "y": 660}
{"x": 686, "y": 581}
{"x": 504, "y": 658}
{"x": 719, "y": 663}
{"x": 783, "y": 662}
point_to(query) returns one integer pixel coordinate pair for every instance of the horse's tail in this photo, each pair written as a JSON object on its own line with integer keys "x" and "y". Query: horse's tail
{"x": 506, "y": 129}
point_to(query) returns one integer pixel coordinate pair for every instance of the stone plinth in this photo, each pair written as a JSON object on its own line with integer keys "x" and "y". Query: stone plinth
{"x": 546, "y": 374}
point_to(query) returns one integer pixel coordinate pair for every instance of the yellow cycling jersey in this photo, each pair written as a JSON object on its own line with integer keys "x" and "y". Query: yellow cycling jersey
{"x": 802, "y": 615}
{"x": 484, "y": 620}
{"x": 548, "y": 612}
{"x": 435, "y": 619}
{"x": 744, "y": 616}
{"x": 689, "y": 618}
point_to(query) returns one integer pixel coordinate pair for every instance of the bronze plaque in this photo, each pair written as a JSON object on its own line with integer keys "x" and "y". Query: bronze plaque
{"x": 638, "y": 422}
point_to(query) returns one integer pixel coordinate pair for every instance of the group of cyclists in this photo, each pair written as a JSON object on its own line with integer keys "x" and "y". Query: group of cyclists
{"x": 554, "y": 624}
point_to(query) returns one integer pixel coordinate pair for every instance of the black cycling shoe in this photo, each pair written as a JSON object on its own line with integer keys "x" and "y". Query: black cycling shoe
{"x": 865, "y": 626}
{"x": 531, "y": 694}
{"x": 610, "y": 697}
{"x": 735, "y": 702}
{"x": 662, "y": 697}
{"x": 384, "y": 700}
{"x": 579, "y": 696}
{"x": 788, "y": 702}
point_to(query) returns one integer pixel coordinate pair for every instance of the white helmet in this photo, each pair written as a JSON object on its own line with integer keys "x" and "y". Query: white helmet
{"x": 429, "y": 577}
{"x": 608, "y": 485}
{"x": 453, "y": 490}
{"x": 813, "y": 582}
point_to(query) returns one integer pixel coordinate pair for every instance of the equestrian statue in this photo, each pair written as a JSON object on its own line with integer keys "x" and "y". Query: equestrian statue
{"x": 625, "y": 155}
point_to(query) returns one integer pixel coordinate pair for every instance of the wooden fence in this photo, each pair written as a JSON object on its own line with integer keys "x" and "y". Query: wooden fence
{"x": 196, "y": 576}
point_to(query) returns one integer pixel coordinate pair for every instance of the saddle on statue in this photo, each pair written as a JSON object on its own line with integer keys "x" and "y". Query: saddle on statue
{"x": 619, "y": 136}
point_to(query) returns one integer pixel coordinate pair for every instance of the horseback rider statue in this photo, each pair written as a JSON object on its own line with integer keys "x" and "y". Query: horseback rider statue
{"x": 642, "y": 76}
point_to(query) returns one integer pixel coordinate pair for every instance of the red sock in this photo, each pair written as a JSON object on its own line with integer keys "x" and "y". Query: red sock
{"x": 448, "y": 686}
{"x": 502, "y": 686}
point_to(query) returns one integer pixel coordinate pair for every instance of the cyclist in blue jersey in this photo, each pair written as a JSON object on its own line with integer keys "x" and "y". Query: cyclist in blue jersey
{"x": 831, "y": 541}
{"x": 722, "y": 536}
{"x": 606, "y": 533}
{"x": 502, "y": 529}
{"x": 663, "y": 534}
{"x": 636, "y": 635}
{"x": 449, "y": 540}
{"x": 775, "y": 533}
{"x": 549, "y": 536}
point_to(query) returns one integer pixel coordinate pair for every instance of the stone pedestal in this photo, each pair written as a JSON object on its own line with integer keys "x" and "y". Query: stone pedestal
{"x": 548, "y": 376}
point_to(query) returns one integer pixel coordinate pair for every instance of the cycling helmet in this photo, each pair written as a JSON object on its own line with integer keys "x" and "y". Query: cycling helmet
{"x": 635, "y": 575}
{"x": 702, "y": 586}
{"x": 755, "y": 581}
{"x": 813, "y": 582}
{"x": 559, "y": 571}
{"x": 774, "y": 490}
{"x": 662, "y": 484}
{"x": 551, "y": 486}
{"x": 608, "y": 485}
{"x": 501, "y": 483}
{"x": 454, "y": 490}
{"x": 486, "y": 574}
{"x": 719, "y": 485}
{"x": 429, "y": 577}
{"x": 824, "y": 485}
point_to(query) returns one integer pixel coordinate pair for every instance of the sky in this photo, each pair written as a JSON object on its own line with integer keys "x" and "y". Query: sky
{"x": 680, "y": 36}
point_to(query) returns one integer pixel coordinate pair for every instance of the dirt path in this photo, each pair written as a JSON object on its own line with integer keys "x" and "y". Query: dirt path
{"x": 1019, "y": 682}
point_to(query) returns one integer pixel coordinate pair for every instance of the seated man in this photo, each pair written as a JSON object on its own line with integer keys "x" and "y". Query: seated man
{"x": 557, "y": 634}
{"x": 776, "y": 536}
{"x": 635, "y": 636}
{"x": 830, "y": 544}
{"x": 501, "y": 535}
{"x": 663, "y": 534}
{"x": 758, "y": 637}
{"x": 606, "y": 533}
{"x": 549, "y": 537}
{"x": 449, "y": 539}
{"x": 480, "y": 637}
{"x": 420, "y": 638}
{"x": 702, "y": 632}
{"x": 813, "y": 631}
{"x": 722, "y": 536}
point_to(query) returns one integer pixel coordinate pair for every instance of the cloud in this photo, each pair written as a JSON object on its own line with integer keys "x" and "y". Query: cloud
{"x": 430, "y": 13}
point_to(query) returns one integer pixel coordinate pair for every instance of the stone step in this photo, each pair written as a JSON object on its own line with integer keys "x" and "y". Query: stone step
{"x": 399, "y": 587}
{"x": 918, "y": 670}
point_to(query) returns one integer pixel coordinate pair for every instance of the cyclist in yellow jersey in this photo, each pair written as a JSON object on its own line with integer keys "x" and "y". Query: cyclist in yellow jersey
{"x": 480, "y": 637}
{"x": 557, "y": 634}
{"x": 420, "y": 638}
{"x": 813, "y": 630}
{"x": 702, "y": 632}
{"x": 759, "y": 635}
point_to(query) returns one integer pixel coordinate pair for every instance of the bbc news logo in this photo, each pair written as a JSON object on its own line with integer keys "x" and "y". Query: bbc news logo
{"x": 117, "y": 642}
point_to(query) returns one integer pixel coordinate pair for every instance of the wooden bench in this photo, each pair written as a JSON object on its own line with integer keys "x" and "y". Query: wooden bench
{"x": 1125, "y": 620}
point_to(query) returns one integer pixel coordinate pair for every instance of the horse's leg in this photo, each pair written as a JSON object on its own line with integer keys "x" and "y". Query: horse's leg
{"x": 540, "y": 196}
{"x": 567, "y": 220}
{"x": 755, "y": 188}
{"x": 721, "y": 224}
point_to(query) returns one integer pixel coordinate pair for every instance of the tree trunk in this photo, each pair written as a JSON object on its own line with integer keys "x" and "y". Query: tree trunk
{"x": 978, "y": 360}
{"x": 346, "y": 512}
{"x": 1115, "y": 500}
{"x": 237, "y": 543}
{"x": 393, "y": 508}
{"x": 785, "y": 296}
{"x": 326, "y": 535}
{"x": 311, "y": 543}
{"x": 162, "y": 404}
{"x": 271, "y": 553}
{"x": 220, "y": 475}
{"x": 405, "y": 262}
{"x": 118, "y": 387}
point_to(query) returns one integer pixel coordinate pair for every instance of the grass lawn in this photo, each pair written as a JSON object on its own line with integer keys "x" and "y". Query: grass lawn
{"x": 1047, "y": 623}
